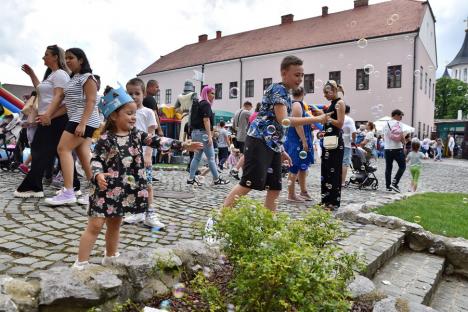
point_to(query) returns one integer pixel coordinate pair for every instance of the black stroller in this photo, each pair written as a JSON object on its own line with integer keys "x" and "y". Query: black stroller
{"x": 9, "y": 136}
{"x": 362, "y": 171}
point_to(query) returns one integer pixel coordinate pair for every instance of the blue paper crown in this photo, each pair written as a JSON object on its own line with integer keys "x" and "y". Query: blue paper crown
{"x": 113, "y": 100}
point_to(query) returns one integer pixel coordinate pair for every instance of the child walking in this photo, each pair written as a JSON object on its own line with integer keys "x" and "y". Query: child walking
{"x": 118, "y": 174}
{"x": 145, "y": 122}
{"x": 414, "y": 159}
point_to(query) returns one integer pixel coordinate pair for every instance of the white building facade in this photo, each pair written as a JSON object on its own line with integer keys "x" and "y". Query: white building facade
{"x": 378, "y": 74}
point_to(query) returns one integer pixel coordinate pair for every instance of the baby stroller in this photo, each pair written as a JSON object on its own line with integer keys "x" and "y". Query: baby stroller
{"x": 362, "y": 171}
{"x": 9, "y": 136}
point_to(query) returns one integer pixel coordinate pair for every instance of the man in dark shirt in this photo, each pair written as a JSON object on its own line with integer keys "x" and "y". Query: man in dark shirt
{"x": 152, "y": 88}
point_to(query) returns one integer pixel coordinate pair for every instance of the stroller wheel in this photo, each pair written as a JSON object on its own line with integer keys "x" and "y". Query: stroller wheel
{"x": 375, "y": 185}
{"x": 346, "y": 184}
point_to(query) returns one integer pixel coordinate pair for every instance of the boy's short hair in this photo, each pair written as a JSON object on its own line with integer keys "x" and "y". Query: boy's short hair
{"x": 222, "y": 123}
{"x": 137, "y": 82}
{"x": 290, "y": 60}
{"x": 397, "y": 112}
{"x": 298, "y": 92}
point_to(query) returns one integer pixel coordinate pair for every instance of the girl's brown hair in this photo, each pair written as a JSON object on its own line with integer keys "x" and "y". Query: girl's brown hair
{"x": 334, "y": 85}
{"x": 371, "y": 125}
{"x": 109, "y": 125}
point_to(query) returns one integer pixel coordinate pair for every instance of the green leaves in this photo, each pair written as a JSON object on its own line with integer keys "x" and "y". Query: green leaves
{"x": 451, "y": 95}
{"x": 282, "y": 264}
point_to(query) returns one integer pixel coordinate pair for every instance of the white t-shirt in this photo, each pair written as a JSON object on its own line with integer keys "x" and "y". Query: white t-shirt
{"x": 348, "y": 129}
{"x": 370, "y": 137}
{"x": 145, "y": 118}
{"x": 389, "y": 143}
{"x": 57, "y": 79}
{"x": 451, "y": 143}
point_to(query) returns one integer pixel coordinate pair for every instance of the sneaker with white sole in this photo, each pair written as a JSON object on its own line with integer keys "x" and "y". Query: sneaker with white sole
{"x": 135, "y": 218}
{"x": 80, "y": 265}
{"x": 83, "y": 200}
{"x": 65, "y": 197}
{"x": 153, "y": 221}
{"x": 109, "y": 260}
{"x": 77, "y": 193}
{"x": 28, "y": 194}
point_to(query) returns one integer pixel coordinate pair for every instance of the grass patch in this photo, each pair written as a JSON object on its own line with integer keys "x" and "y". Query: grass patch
{"x": 439, "y": 213}
{"x": 162, "y": 166}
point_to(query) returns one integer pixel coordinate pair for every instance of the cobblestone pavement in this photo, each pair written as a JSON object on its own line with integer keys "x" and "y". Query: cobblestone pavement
{"x": 34, "y": 236}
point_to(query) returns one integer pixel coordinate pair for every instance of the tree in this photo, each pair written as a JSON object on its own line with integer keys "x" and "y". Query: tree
{"x": 451, "y": 96}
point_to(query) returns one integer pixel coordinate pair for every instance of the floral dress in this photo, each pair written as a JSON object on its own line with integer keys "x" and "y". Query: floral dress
{"x": 122, "y": 157}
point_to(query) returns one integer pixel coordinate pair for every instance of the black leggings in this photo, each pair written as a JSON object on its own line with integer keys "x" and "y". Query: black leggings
{"x": 332, "y": 161}
{"x": 43, "y": 151}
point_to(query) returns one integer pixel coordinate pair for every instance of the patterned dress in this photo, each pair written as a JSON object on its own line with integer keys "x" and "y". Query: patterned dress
{"x": 122, "y": 157}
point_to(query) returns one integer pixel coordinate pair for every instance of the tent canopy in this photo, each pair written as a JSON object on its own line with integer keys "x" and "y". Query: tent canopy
{"x": 222, "y": 115}
{"x": 382, "y": 122}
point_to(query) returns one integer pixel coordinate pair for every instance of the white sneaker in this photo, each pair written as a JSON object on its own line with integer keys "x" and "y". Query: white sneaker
{"x": 84, "y": 200}
{"x": 77, "y": 193}
{"x": 65, "y": 197}
{"x": 28, "y": 194}
{"x": 80, "y": 265}
{"x": 153, "y": 221}
{"x": 135, "y": 218}
{"x": 109, "y": 260}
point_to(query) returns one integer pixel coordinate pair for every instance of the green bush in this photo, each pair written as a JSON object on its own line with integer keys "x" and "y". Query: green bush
{"x": 282, "y": 264}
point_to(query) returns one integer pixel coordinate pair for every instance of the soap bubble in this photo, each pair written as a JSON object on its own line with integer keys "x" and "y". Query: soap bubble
{"x": 178, "y": 290}
{"x": 363, "y": 168}
{"x": 430, "y": 68}
{"x": 353, "y": 23}
{"x": 286, "y": 122}
{"x": 397, "y": 72}
{"x": 271, "y": 129}
{"x": 362, "y": 43}
{"x": 329, "y": 186}
{"x": 389, "y": 22}
{"x": 417, "y": 219}
{"x": 409, "y": 56}
{"x": 329, "y": 129}
{"x": 326, "y": 154}
{"x": 165, "y": 305}
{"x": 368, "y": 69}
{"x": 417, "y": 72}
{"x": 318, "y": 83}
{"x": 407, "y": 37}
{"x": 304, "y": 167}
{"x": 459, "y": 88}
{"x": 233, "y": 92}
{"x": 332, "y": 170}
{"x": 302, "y": 154}
{"x": 395, "y": 17}
{"x": 205, "y": 138}
{"x": 270, "y": 170}
{"x": 376, "y": 74}
{"x": 361, "y": 86}
{"x": 431, "y": 250}
{"x": 248, "y": 183}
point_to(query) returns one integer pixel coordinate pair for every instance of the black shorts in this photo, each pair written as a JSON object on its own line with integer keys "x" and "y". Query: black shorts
{"x": 262, "y": 166}
{"x": 240, "y": 145}
{"x": 71, "y": 126}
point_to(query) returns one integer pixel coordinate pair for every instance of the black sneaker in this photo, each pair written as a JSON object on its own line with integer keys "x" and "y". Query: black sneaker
{"x": 389, "y": 189}
{"x": 395, "y": 188}
{"x": 194, "y": 182}
{"x": 221, "y": 181}
{"x": 234, "y": 173}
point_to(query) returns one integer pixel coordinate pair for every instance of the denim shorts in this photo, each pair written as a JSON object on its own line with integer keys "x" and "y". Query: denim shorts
{"x": 347, "y": 156}
{"x": 149, "y": 175}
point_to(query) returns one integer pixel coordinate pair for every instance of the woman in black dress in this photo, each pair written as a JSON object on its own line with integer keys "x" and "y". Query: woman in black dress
{"x": 332, "y": 155}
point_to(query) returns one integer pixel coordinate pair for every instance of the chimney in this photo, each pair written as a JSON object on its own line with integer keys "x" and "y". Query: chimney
{"x": 202, "y": 38}
{"x": 360, "y": 3}
{"x": 218, "y": 34}
{"x": 324, "y": 11}
{"x": 287, "y": 19}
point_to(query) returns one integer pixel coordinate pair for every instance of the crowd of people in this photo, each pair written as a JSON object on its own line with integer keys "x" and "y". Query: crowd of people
{"x": 116, "y": 138}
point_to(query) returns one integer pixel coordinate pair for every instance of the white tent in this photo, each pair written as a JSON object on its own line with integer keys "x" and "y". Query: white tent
{"x": 382, "y": 122}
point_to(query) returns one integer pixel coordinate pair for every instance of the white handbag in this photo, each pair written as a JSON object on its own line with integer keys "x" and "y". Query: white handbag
{"x": 330, "y": 142}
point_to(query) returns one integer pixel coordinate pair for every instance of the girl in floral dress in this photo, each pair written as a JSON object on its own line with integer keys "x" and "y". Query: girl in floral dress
{"x": 119, "y": 175}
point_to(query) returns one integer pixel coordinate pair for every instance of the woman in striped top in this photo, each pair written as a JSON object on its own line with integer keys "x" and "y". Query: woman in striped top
{"x": 83, "y": 119}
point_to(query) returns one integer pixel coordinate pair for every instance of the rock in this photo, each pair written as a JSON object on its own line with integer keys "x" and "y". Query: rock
{"x": 457, "y": 253}
{"x": 6, "y": 304}
{"x": 410, "y": 226}
{"x": 366, "y": 218}
{"x": 108, "y": 283}
{"x": 152, "y": 287}
{"x": 138, "y": 265}
{"x": 348, "y": 212}
{"x": 420, "y": 240}
{"x": 167, "y": 258}
{"x": 361, "y": 286}
{"x": 196, "y": 252}
{"x": 386, "y": 305}
{"x": 24, "y": 294}
{"x": 417, "y": 307}
{"x": 387, "y": 221}
{"x": 369, "y": 205}
{"x": 64, "y": 285}
{"x": 4, "y": 279}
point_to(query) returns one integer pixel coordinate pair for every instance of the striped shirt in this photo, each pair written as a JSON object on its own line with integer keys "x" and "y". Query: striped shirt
{"x": 75, "y": 100}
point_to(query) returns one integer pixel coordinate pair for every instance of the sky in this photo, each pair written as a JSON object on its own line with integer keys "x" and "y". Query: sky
{"x": 121, "y": 38}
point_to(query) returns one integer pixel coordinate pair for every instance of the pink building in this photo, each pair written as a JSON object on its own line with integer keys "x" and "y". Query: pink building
{"x": 384, "y": 55}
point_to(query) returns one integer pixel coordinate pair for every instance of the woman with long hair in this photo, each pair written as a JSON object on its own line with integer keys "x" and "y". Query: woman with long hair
{"x": 50, "y": 127}
{"x": 201, "y": 121}
{"x": 332, "y": 155}
{"x": 83, "y": 119}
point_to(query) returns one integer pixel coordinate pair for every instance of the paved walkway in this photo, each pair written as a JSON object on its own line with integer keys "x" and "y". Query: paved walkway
{"x": 34, "y": 236}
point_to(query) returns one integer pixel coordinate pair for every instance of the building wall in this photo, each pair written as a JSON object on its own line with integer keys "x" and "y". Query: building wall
{"x": 427, "y": 35}
{"x": 460, "y": 72}
{"x": 346, "y": 58}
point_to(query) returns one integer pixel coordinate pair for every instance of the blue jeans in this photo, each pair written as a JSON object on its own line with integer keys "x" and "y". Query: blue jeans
{"x": 390, "y": 156}
{"x": 197, "y": 136}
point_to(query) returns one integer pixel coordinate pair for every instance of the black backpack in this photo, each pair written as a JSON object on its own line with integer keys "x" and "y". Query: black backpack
{"x": 194, "y": 120}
